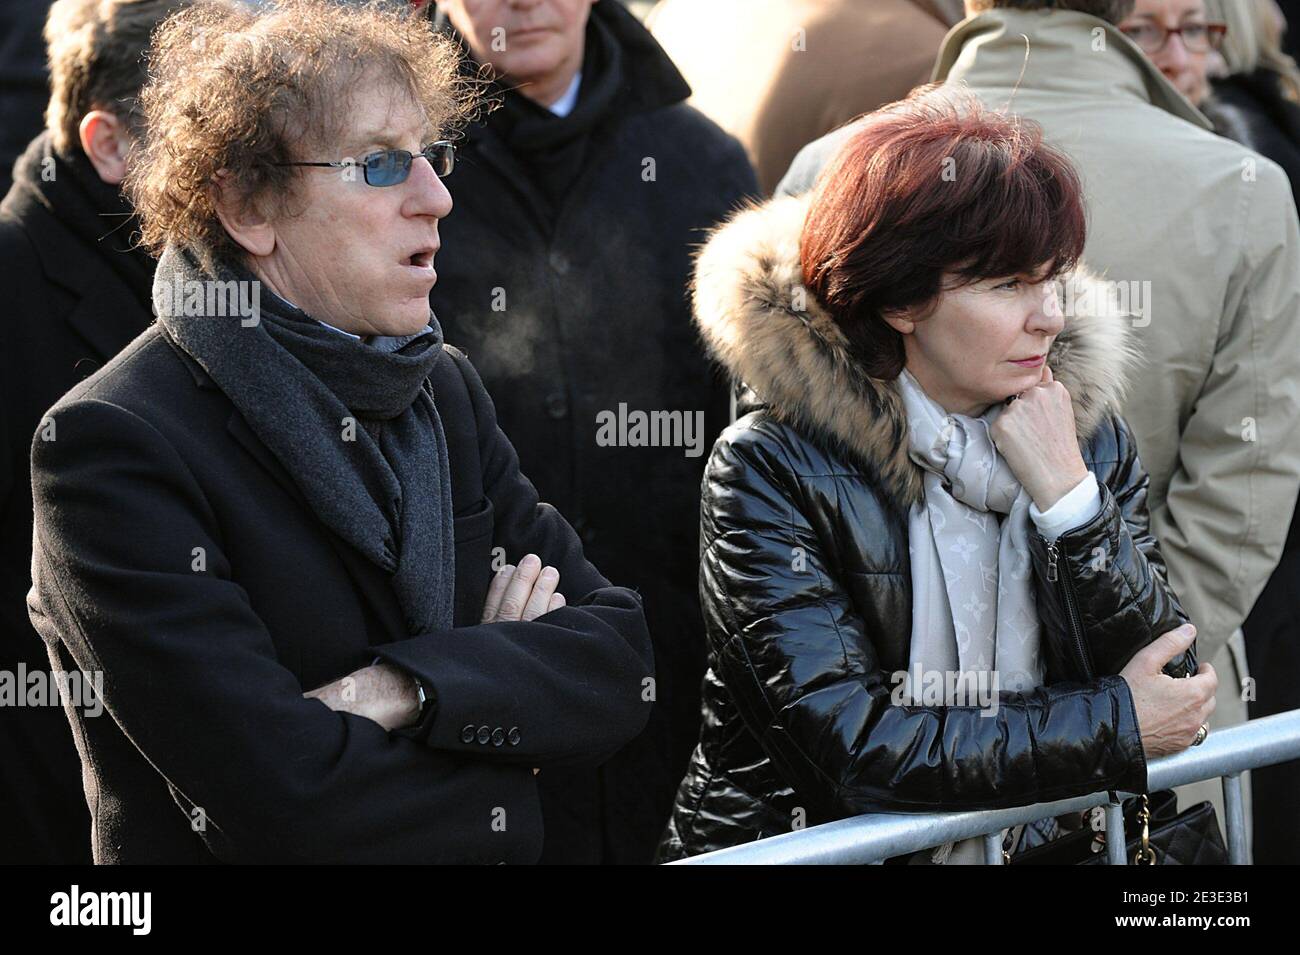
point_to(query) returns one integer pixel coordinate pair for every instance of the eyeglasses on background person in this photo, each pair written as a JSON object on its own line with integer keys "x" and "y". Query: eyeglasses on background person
{"x": 1196, "y": 37}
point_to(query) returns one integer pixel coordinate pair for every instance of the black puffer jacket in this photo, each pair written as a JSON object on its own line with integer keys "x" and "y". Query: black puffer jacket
{"x": 806, "y": 589}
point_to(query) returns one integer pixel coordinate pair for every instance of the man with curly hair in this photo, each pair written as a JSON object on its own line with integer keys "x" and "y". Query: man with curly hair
{"x": 272, "y": 522}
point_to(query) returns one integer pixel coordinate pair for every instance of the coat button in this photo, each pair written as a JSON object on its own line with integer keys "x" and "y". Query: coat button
{"x": 467, "y": 733}
{"x": 556, "y": 405}
{"x": 559, "y": 263}
{"x": 513, "y": 736}
{"x": 498, "y": 736}
{"x": 484, "y": 734}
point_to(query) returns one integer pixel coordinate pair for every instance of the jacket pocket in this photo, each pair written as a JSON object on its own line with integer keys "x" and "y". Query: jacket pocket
{"x": 473, "y": 533}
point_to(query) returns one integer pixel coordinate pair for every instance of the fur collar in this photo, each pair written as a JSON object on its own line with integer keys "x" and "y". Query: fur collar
{"x": 797, "y": 362}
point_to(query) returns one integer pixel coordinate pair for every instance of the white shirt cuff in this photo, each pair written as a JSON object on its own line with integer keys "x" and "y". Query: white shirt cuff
{"x": 1074, "y": 510}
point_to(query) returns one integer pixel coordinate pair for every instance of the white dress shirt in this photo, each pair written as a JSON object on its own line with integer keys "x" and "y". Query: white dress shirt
{"x": 1075, "y": 509}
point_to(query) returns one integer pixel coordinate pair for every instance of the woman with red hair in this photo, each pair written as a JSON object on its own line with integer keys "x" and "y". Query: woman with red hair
{"x": 926, "y": 570}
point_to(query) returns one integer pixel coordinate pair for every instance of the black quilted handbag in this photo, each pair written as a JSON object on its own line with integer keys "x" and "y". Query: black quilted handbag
{"x": 1155, "y": 834}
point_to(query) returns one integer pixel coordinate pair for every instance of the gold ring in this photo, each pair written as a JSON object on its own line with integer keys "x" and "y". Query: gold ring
{"x": 1201, "y": 733}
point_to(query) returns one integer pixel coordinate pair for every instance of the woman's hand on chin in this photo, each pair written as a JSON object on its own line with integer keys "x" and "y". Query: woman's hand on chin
{"x": 1035, "y": 433}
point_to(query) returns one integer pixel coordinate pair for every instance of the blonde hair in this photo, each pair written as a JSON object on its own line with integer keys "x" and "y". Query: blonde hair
{"x": 1254, "y": 40}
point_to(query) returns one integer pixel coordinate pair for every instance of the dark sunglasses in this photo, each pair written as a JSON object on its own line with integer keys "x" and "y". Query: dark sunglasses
{"x": 391, "y": 166}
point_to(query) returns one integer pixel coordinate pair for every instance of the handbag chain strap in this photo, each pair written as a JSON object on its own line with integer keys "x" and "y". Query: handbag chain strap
{"x": 1145, "y": 855}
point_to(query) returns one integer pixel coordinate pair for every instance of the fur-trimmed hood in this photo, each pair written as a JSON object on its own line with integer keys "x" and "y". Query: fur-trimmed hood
{"x": 773, "y": 336}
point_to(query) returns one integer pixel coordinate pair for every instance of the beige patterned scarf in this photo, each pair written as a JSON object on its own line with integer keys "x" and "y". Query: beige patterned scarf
{"x": 973, "y": 606}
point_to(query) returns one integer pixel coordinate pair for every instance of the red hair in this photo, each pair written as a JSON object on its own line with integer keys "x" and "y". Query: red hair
{"x": 934, "y": 184}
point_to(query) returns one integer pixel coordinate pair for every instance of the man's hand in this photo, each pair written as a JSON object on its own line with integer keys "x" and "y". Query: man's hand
{"x": 522, "y": 593}
{"x": 381, "y": 693}
{"x": 1036, "y": 435}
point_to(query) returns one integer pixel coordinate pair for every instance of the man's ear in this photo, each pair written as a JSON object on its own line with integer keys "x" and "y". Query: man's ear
{"x": 243, "y": 221}
{"x": 105, "y": 141}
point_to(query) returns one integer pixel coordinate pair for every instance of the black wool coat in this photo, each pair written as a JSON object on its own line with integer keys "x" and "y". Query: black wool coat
{"x": 24, "y": 79}
{"x": 569, "y": 307}
{"x": 75, "y": 295}
{"x": 176, "y": 557}
{"x": 805, "y": 579}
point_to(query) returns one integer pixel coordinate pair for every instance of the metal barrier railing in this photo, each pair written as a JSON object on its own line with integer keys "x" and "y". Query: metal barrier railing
{"x": 872, "y": 838}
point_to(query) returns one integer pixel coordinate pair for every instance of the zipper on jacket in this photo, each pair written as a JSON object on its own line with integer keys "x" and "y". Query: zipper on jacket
{"x": 1066, "y": 588}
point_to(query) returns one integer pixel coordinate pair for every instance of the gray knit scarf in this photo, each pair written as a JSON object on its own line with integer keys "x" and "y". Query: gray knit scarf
{"x": 354, "y": 425}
